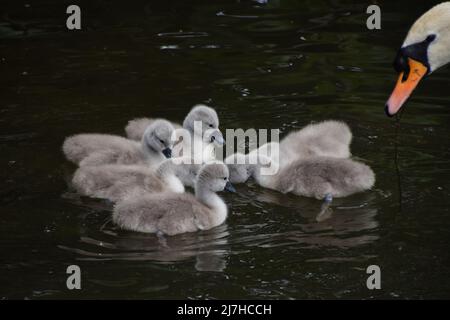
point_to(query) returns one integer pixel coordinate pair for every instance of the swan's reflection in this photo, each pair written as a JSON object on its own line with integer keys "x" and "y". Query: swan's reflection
{"x": 209, "y": 248}
{"x": 352, "y": 222}
{"x": 289, "y": 221}
{"x": 208, "y": 261}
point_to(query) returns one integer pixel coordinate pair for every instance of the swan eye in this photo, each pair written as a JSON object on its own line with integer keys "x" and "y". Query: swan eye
{"x": 401, "y": 62}
{"x": 211, "y": 126}
{"x": 162, "y": 141}
{"x": 225, "y": 179}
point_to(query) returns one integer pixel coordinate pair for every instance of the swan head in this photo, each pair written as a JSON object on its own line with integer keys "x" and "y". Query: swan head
{"x": 207, "y": 123}
{"x": 214, "y": 176}
{"x": 157, "y": 137}
{"x": 254, "y": 164}
{"x": 179, "y": 172}
{"x": 425, "y": 49}
{"x": 186, "y": 170}
{"x": 214, "y": 136}
{"x": 239, "y": 169}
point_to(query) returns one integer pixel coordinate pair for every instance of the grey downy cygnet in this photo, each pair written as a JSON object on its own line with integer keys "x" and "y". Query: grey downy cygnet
{"x": 97, "y": 149}
{"x": 318, "y": 177}
{"x": 135, "y": 128}
{"x": 329, "y": 138}
{"x": 114, "y": 182}
{"x": 200, "y": 136}
{"x": 171, "y": 213}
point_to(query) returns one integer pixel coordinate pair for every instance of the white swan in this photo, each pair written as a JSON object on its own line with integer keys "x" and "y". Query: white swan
{"x": 172, "y": 213}
{"x": 425, "y": 49}
{"x": 97, "y": 149}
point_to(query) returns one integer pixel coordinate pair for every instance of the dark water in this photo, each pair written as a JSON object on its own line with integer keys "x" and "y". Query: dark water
{"x": 277, "y": 65}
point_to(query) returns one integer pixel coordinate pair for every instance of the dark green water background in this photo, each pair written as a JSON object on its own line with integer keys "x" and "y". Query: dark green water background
{"x": 277, "y": 65}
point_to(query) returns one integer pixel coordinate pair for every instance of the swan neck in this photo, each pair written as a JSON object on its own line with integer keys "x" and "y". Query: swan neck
{"x": 214, "y": 203}
{"x": 167, "y": 173}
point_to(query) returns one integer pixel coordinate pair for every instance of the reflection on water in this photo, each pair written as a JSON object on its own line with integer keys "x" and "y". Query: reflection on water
{"x": 262, "y": 64}
{"x": 209, "y": 248}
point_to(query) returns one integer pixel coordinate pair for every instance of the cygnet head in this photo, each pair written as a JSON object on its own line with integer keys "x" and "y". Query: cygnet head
{"x": 242, "y": 167}
{"x": 214, "y": 136}
{"x": 214, "y": 177}
{"x": 186, "y": 170}
{"x": 239, "y": 169}
{"x": 176, "y": 174}
{"x": 157, "y": 137}
{"x": 207, "y": 123}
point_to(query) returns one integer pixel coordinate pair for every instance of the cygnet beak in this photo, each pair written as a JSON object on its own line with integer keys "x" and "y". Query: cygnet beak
{"x": 229, "y": 187}
{"x": 217, "y": 138}
{"x": 167, "y": 152}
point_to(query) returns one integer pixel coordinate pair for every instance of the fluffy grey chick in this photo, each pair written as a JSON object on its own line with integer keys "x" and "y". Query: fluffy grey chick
{"x": 240, "y": 168}
{"x": 318, "y": 177}
{"x": 172, "y": 213}
{"x": 200, "y": 133}
{"x": 321, "y": 177}
{"x": 98, "y": 149}
{"x": 114, "y": 182}
{"x": 205, "y": 115}
{"x": 200, "y": 136}
{"x": 328, "y": 138}
{"x": 135, "y": 128}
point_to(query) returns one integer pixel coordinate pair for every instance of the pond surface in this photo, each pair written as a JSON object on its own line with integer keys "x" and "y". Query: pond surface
{"x": 280, "y": 64}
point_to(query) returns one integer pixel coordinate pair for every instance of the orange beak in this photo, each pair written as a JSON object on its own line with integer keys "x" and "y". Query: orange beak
{"x": 405, "y": 87}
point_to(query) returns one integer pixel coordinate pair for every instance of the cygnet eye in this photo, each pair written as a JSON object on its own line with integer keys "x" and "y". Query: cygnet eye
{"x": 225, "y": 178}
{"x": 211, "y": 126}
{"x": 162, "y": 141}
